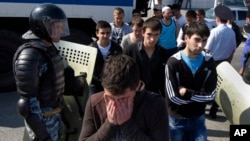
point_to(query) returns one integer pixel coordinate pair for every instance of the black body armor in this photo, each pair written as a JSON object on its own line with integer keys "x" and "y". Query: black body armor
{"x": 47, "y": 65}
{"x": 39, "y": 72}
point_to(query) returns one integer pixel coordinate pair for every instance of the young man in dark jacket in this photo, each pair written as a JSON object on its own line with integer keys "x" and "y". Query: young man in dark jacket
{"x": 124, "y": 111}
{"x": 150, "y": 57}
{"x": 105, "y": 47}
{"x": 190, "y": 84}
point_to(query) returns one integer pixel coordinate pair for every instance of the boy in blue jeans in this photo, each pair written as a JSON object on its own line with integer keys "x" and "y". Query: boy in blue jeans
{"x": 190, "y": 84}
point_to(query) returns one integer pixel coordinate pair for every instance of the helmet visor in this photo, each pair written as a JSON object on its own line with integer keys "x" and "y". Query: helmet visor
{"x": 58, "y": 29}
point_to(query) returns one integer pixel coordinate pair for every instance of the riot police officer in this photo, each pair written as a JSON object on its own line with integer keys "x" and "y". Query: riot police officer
{"x": 40, "y": 76}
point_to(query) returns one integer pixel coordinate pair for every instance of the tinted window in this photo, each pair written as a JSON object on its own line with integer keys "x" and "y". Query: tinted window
{"x": 242, "y": 15}
{"x": 233, "y": 2}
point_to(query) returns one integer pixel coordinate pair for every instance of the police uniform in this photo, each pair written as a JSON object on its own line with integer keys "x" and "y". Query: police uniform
{"x": 221, "y": 43}
{"x": 40, "y": 76}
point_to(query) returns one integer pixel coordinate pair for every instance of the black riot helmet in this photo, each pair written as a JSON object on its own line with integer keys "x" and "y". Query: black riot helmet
{"x": 48, "y": 21}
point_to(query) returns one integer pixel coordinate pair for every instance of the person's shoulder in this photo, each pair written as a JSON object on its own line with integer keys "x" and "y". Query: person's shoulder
{"x": 126, "y": 25}
{"x": 159, "y": 46}
{"x": 162, "y": 50}
{"x": 126, "y": 37}
{"x": 227, "y": 28}
{"x": 214, "y": 31}
{"x": 133, "y": 46}
{"x": 207, "y": 56}
{"x": 32, "y": 48}
{"x": 112, "y": 25}
{"x": 97, "y": 98}
{"x": 174, "y": 21}
{"x": 182, "y": 19}
{"x": 149, "y": 101}
{"x": 31, "y": 52}
{"x": 174, "y": 59}
{"x": 210, "y": 27}
{"x": 115, "y": 45}
{"x": 148, "y": 95}
{"x": 176, "y": 56}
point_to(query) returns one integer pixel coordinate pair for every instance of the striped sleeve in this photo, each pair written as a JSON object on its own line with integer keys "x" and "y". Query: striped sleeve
{"x": 172, "y": 87}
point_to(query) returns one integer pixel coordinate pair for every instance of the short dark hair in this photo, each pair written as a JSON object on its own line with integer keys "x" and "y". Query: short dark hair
{"x": 137, "y": 22}
{"x": 176, "y": 6}
{"x": 136, "y": 11}
{"x": 152, "y": 23}
{"x": 170, "y": 6}
{"x": 119, "y": 10}
{"x": 201, "y": 11}
{"x": 223, "y": 21}
{"x": 119, "y": 73}
{"x": 198, "y": 28}
{"x": 102, "y": 24}
{"x": 191, "y": 14}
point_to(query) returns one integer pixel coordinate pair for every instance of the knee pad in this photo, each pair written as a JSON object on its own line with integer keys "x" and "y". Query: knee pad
{"x": 23, "y": 107}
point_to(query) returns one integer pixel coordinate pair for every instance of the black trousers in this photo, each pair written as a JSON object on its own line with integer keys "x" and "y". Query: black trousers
{"x": 215, "y": 106}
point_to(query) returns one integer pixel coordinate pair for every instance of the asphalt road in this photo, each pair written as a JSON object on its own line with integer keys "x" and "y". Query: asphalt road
{"x": 12, "y": 126}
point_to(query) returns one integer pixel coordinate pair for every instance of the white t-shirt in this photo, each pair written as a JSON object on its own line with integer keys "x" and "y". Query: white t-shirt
{"x": 180, "y": 21}
{"x": 104, "y": 50}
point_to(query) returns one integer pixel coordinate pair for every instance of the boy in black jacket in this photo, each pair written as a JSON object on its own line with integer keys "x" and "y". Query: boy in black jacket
{"x": 190, "y": 84}
{"x": 105, "y": 47}
{"x": 150, "y": 57}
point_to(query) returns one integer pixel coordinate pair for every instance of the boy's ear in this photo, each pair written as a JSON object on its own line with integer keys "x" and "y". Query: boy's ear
{"x": 186, "y": 37}
{"x": 140, "y": 86}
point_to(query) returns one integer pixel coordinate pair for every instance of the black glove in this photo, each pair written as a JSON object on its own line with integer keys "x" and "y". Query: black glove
{"x": 69, "y": 78}
{"x": 80, "y": 84}
{"x": 74, "y": 84}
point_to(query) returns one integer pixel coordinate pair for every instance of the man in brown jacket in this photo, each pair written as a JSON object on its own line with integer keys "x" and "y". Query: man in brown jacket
{"x": 124, "y": 111}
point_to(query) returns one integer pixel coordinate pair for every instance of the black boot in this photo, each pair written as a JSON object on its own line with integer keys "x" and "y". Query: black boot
{"x": 213, "y": 110}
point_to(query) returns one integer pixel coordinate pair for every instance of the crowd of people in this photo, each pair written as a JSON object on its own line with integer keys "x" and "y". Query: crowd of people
{"x": 152, "y": 78}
